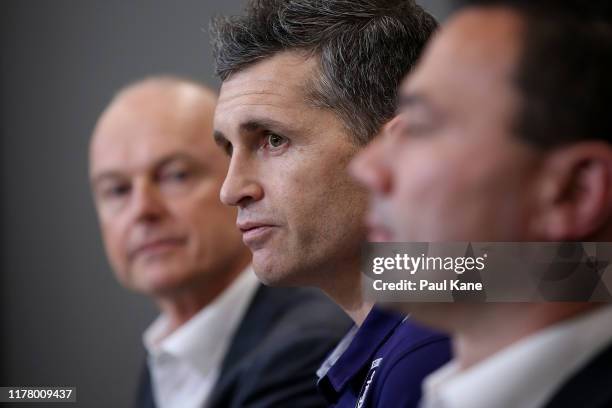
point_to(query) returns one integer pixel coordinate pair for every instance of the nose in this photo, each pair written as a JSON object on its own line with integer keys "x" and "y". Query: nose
{"x": 240, "y": 186}
{"x": 147, "y": 204}
{"x": 370, "y": 166}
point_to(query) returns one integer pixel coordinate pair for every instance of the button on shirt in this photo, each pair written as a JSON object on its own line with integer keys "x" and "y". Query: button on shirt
{"x": 185, "y": 364}
{"x": 382, "y": 363}
{"x": 526, "y": 374}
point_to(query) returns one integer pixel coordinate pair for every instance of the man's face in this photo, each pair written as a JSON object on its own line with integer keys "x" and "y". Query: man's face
{"x": 156, "y": 177}
{"x": 448, "y": 167}
{"x": 298, "y": 210}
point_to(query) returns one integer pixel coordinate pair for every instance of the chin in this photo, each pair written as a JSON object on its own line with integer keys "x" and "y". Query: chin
{"x": 158, "y": 288}
{"x": 270, "y": 276}
{"x": 272, "y": 273}
{"x": 159, "y": 281}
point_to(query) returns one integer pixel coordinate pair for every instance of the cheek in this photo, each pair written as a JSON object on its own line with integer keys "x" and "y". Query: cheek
{"x": 114, "y": 237}
{"x": 324, "y": 195}
{"x": 293, "y": 191}
{"x": 425, "y": 182}
{"x": 505, "y": 199}
{"x": 433, "y": 195}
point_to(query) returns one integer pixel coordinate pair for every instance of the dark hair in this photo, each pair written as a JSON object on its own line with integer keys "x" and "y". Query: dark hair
{"x": 365, "y": 48}
{"x": 565, "y": 78}
{"x": 564, "y": 73}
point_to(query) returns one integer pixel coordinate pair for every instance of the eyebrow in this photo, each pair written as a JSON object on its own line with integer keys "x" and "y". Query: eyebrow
{"x": 105, "y": 175}
{"x": 111, "y": 174}
{"x": 253, "y": 125}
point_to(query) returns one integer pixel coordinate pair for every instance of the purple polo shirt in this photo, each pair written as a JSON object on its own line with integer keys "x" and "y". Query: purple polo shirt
{"x": 382, "y": 363}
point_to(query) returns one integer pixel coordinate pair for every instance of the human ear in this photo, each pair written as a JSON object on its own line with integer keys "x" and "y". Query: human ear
{"x": 575, "y": 193}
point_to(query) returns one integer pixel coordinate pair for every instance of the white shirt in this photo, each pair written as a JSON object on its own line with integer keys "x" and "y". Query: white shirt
{"x": 528, "y": 373}
{"x": 185, "y": 365}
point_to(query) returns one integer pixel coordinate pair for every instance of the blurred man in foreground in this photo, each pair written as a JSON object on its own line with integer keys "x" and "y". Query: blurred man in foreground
{"x": 222, "y": 339}
{"x": 306, "y": 84}
{"x": 503, "y": 134}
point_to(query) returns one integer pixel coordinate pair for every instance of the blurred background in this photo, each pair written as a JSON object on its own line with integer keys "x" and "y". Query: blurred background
{"x": 63, "y": 318}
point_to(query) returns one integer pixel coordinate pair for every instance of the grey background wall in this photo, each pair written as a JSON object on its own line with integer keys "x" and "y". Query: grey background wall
{"x": 64, "y": 320}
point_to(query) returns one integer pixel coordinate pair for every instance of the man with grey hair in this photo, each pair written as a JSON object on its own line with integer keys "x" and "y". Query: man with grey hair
{"x": 222, "y": 339}
{"x": 306, "y": 84}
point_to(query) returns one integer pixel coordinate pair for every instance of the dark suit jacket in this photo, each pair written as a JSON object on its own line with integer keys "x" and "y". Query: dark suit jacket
{"x": 591, "y": 387}
{"x": 284, "y": 336}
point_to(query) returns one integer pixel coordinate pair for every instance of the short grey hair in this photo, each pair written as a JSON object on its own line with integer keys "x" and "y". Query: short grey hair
{"x": 365, "y": 48}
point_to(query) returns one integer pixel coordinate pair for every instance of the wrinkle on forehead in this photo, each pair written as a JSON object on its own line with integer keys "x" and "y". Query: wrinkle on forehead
{"x": 234, "y": 91}
{"x": 284, "y": 75}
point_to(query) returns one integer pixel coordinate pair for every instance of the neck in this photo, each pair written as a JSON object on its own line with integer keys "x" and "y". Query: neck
{"x": 182, "y": 304}
{"x": 345, "y": 290}
{"x": 180, "y": 308}
{"x": 490, "y": 328}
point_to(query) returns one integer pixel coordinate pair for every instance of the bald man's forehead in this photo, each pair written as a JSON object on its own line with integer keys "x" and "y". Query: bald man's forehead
{"x": 143, "y": 127}
{"x": 160, "y": 102}
{"x": 169, "y": 87}
{"x": 183, "y": 101}
{"x": 175, "y": 118}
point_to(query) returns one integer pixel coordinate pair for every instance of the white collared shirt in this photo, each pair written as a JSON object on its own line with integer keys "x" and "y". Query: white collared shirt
{"x": 185, "y": 364}
{"x": 526, "y": 374}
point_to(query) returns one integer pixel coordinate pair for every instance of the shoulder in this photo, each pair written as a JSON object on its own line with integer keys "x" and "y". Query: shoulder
{"x": 589, "y": 387}
{"x": 279, "y": 369}
{"x": 306, "y": 316}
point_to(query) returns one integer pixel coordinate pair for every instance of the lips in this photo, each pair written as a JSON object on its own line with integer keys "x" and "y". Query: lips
{"x": 254, "y": 234}
{"x": 157, "y": 246}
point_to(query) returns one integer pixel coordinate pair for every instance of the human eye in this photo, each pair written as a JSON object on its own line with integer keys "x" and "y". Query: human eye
{"x": 411, "y": 126}
{"x": 274, "y": 142}
{"x": 175, "y": 174}
{"x": 114, "y": 190}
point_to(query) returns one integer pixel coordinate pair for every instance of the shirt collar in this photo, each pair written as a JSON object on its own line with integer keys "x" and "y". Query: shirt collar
{"x": 527, "y": 373}
{"x": 337, "y": 352}
{"x": 197, "y": 341}
{"x": 358, "y": 348}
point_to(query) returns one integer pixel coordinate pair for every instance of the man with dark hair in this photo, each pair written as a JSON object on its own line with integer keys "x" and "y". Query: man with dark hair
{"x": 306, "y": 84}
{"x": 504, "y": 134}
{"x": 222, "y": 339}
